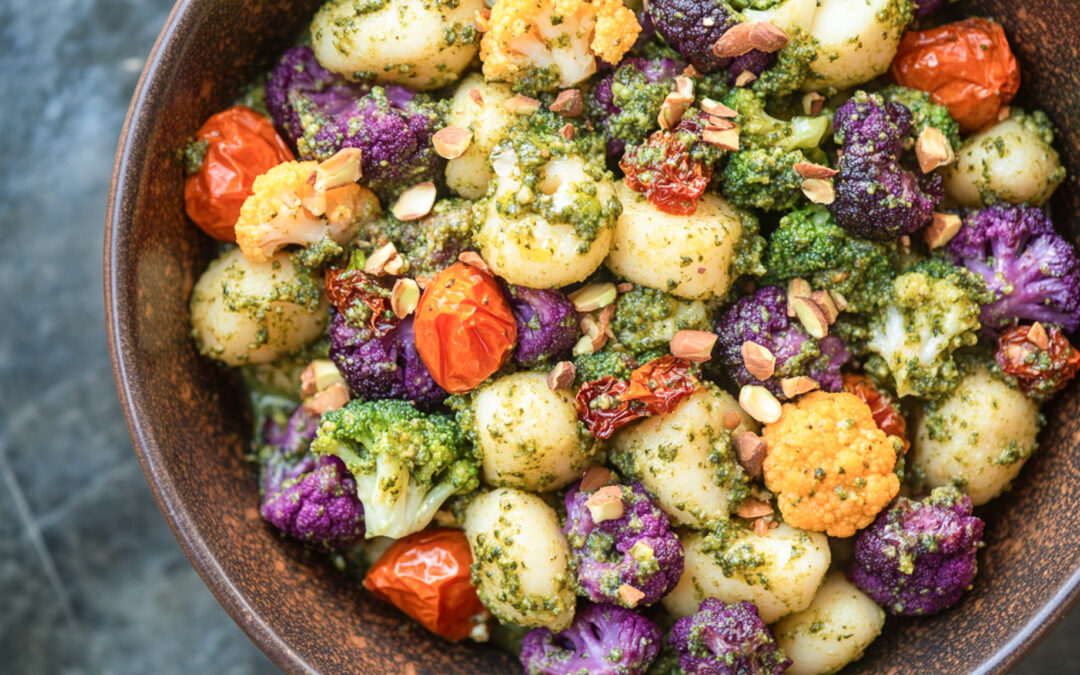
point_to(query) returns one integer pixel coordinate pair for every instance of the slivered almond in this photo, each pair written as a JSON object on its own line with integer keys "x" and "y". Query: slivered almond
{"x": 333, "y": 397}
{"x": 594, "y": 296}
{"x": 693, "y": 345}
{"x": 473, "y": 259}
{"x": 839, "y": 299}
{"x": 684, "y": 86}
{"x": 595, "y": 477}
{"x": 811, "y": 317}
{"x": 731, "y": 420}
{"x": 342, "y": 168}
{"x": 933, "y": 150}
{"x": 728, "y": 139}
{"x": 752, "y": 508}
{"x": 451, "y": 142}
{"x": 520, "y": 104}
{"x": 759, "y": 403}
{"x": 630, "y": 595}
{"x": 1038, "y": 337}
{"x": 759, "y": 361}
{"x": 404, "y": 297}
{"x": 761, "y": 526}
{"x": 750, "y": 450}
{"x": 604, "y": 320}
{"x": 1003, "y": 113}
{"x": 415, "y": 202}
{"x": 810, "y": 170}
{"x": 382, "y": 261}
{"x": 812, "y": 103}
{"x": 797, "y": 386}
{"x": 797, "y": 288}
{"x": 715, "y": 123}
{"x": 569, "y": 103}
{"x": 624, "y": 287}
{"x": 320, "y": 374}
{"x": 606, "y": 504}
{"x": 673, "y": 108}
{"x": 561, "y": 376}
{"x": 819, "y": 190}
{"x": 476, "y": 96}
{"x": 711, "y": 107}
{"x": 942, "y": 229}
{"x": 568, "y": 131}
{"x": 422, "y": 281}
{"x": 745, "y": 78}
{"x": 826, "y": 304}
{"x": 691, "y": 71}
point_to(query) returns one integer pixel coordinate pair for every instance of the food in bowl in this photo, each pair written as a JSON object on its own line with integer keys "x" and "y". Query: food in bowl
{"x": 605, "y": 349}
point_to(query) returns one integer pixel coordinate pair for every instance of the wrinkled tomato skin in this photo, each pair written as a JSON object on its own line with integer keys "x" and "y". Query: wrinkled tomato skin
{"x": 1039, "y": 373}
{"x": 345, "y": 287}
{"x": 966, "y": 66}
{"x": 884, "y": 410}
{"x": 661, "y": 383}
{"x": 615, "y": 412}
{"x": 426, "y": 576}
{"x": 674, "y": 184}
{"x": 242, "y": 144}
{"x": 464, "y": 328}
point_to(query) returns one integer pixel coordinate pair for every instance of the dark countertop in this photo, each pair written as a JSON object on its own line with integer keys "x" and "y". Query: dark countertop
{"x": 92, "y": 580}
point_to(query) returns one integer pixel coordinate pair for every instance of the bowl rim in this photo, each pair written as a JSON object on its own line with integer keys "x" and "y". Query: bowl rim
{"x": 123, "y": 186}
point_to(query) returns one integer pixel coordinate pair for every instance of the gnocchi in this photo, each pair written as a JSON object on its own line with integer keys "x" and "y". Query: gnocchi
{"x": 857, "y": 40}
{"x": 477, "y": 106}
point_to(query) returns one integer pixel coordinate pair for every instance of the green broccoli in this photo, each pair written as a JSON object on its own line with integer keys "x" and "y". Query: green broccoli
{"x": 933, "y": 312}
{"x": 791, "y": 70}
{"x": 638, "y": 99}
{"x": 925, "y": 112}
{"x": 808, "y": 244}
{"x": 612, "y": 360}
{"x": 647, "y": 319}
{"x": 406, "y": 463}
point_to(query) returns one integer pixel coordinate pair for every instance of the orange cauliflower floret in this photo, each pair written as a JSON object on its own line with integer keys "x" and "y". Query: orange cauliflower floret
{"x": 829, "y": 464}
{"x": 554, "y": 42}
{"x": 301, "y": 203}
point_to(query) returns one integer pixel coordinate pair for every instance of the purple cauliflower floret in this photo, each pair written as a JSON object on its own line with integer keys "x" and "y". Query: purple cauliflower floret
{"x": 1031, "y": 272}
{"x": 547, "y": 325}
{"x": 754, "y": 61}
{"x": 637, "y": 549}
{"x": 289, "y": 457}
{"x": 383, "y": 366}
{"x": 924, "y": 8}
{"x": 723, "y": 639}
{"x": 692, "y": 27}
{"x": 320, "y": 112}
{"x": 627, "y": 100}
{"x": 762, "y": 318}
{"x": 917, "y": 558}
{"x": 602, "y": 640}
{"x": 877, "y": 197}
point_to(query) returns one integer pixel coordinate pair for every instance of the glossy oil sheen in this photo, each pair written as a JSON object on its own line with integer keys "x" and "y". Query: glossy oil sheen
{"x": 190, "y": 428}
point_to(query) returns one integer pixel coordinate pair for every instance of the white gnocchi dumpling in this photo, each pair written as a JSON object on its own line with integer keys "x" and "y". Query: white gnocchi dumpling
{"x": 977, "y": 438}
{"x": 670, "y": 455}
{"x": 789, "y": 16}
{"x": 833, "y": 631}
{"x": 244, "y": 312}
{"x": 522, "y": 559}
{"x": 856, "y": 40}
{"x": 779, "y": 572}
{"x": 688, "y": 256}
{"x": 420, "y": 44}
{"x": 529, "y": 434}
{"x": 477, "y": 106}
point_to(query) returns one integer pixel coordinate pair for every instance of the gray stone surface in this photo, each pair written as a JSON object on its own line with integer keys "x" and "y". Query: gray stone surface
{"x": 91, "y": 580}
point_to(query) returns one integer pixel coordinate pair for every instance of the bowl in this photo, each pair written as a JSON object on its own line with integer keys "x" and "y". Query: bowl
{"x": 190, "y": 425}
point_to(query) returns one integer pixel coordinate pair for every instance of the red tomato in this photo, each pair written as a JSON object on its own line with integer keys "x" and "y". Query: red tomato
{"x": 660, "y": 384}
{"x": 966, "y": 66}
{"x": 882, "y": 407}
{"x": 464, "y": 328}
{"x": 1037, "y": 370}
{"x": 242, "y": 144}
{"x": 426, "y": 575}
{"x": 602, "y": 409}
{"x": 673, "y": 180}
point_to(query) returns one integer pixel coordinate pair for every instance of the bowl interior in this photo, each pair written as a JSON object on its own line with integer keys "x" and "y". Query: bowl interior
{"x": 190, "y": 425}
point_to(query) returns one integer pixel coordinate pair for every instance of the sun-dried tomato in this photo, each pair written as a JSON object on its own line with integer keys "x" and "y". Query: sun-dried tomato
{"x": 346, "y": 288}
{"x": 665, "y": 172}
{"x": 661, "y": 383}
{"x": 1039, "y": 372}
{"x": 601, "y": 408}
{"x": 882, "y": 407}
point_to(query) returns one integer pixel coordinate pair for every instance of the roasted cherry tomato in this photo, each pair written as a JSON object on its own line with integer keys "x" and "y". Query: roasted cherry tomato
{"x": 240, "y": 144}
{"x": 882, "y": 407}
{"x": 601, "y": 407}
{"x": 661, "y": 383}
{"x": 351, "y": 289}
{"x": 663, "y": 170}
{"x": 464, "y": 328}
{"x": 966, "y": 66}
{"x": 1039, "y": 372}
{"x": 426, "y": 575}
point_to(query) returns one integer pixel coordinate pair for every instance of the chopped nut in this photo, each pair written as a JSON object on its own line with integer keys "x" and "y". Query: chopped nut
{"x": 766, "y": 37}
{"x": 812, "y": 103}
{"x": 342, "y": 168}
{"x": 605, "y": 318}
{"x": 568, "y": 103}
{"x": 750, "y": 450}
{"x": 819, "y": 190}
{"x": 759, "y": 361}
{"x": 691, "y": 71}
{"x": 942, "y": 229}
{"x": 797, "y": 288}
{"x": 624, "y": 287}
{"x": 520, "y": 104}
{"x": 732, "y": 419}
{"x": 584, "y": 345}
{"x": 451, "y": 142}
{"x": 761, "y": 526}
{"x": 482, "y": 19}
{"x": 752, "y": 508}
{"x": 605, "y": 504}
{"x": 715, "y": 123}
{"x": 672, "y": 109}
{"x": 728, "y": 139}
{"x": 422, "y": 281}
{"x": 594, "y": 296}
{"x": 476, "y": 96}
{"x": 1038, "y": 337}
{"x": 743, "y": 37}
{"x": 568, "y": 131}
{"x": 826, "y": 304}
{"x": 473, "y": 259}
{"x": 630, "y": 595}
{"x": 759, "y": 403}
{"x": 445, "y": 518}
{"x": 809, "y": 170}
{"x": 905, "y": 241}
{"x": 1003, "y": 113}
{"x": 415, "y": 202}
{"x": 811, "y": 317}
{"x": 383, "y": 260}
{"x": 641, "y": 551}
{"x": 745, "y": 78}
{"x": 933, "y": 150}
{"x": 711, "y": 107}
{"x": 797, "y": 386}
{"x": 561, "y": 376}
{"x": 319, "y": 374}
{"x": 404, "y": 297}
{"x": 839, "y": 299}
{"x": 331, "y": 398}
{"x": 684, "y": 86}
{"x": 595, "y": 477}
{"x": 693, "y": 345}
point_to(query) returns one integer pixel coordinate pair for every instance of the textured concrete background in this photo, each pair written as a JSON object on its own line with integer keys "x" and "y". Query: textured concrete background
{"x": 91, "y": 580}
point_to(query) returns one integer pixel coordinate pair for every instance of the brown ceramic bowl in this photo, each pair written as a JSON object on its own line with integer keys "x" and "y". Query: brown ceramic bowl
{"x": 190, "y": 428}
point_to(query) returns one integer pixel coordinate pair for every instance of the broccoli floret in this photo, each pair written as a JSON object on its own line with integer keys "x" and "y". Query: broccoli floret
{"x": 626, "y": 102}
{"x": 611, "y": 361}
{"x": 924, "y": 113}
{"x": 631, "y": 545}
{"x": 919, "y": 556}
{"x": 876, "y": 196}
{"x": 933, "y": 312}
{"x": 762, "y": 318}
{"x": 1032, "y": 273}
{"x": 790, "y": 70}
{"x": 647, "y": 319}
{"x": 727, "y": 638}
{"x": 547, "y": 325}
{"x": 808, "y": 244}
{"x": 429, "y": 244}
{"x": 406, "y": 463}
{"x": 602, "y": 640}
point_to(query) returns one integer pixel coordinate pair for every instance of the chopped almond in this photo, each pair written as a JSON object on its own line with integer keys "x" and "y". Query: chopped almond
{"x": 595, "y": 477}
{"x": 759, "y": 403}
{"x": 691, "y": 71}
{"x": 568, "y": 103}
{"x": 797, "y": 288}
{"x": 693, "y": 345}
{"x": 933, "y": 150}
{"x": 473, "y": 259}
{"x": 673, "y": 108}
{"x": 826, "y": 304}
{"x": 624, "y": 287}
{"x": 415, "y": 202}
{"x": 342, "y": 168}
{"x": 606, "y": 504}
{"x": 752, "y": 508}
{"x": 594, "y": 296}
{"x": 715, "y": 123}
{"x": 520, "y": 104}
{"x": 743, "y": 37}
{"x": 745, "y": 78}
{"x": 732, "y": 420}
{"x": 942, "y": 229}
{"x": 839, "y": 299}
{"x": 630, "y": 595}
{"x": 766, "y": 37}
{"x": 451, "y": 142}
{"x": 561, "y": 376}
{"x": 1038, "y": 337}
{"x": 750, "y": 450}
{"x": 711, "y": 107}
{"x": 819, "y": 190}
{"x": 759, "y": 361}
{"x": 811, "y": 317}
{"x": 810, "y": 170}
{"x": 812, "y": 103}
{"x": 728, "y": 139}
{"x": 797, "y": 386}
{"x": 476, "y": 96}
{"x": 404, "y": 297}
{"x": 383, "y": 260}
{"x": 333, "y": 397}
{"x": 568, "y": 131}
